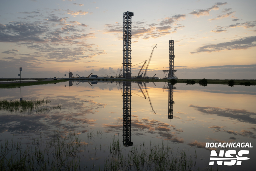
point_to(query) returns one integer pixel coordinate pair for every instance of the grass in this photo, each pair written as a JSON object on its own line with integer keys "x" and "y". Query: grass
{"x": 155, "y": 158}
{"x": 15, "y": 85}
{"x": 59, "y": 153}
{"x": 26, "y": 106}
{"x": 69, "y": 153}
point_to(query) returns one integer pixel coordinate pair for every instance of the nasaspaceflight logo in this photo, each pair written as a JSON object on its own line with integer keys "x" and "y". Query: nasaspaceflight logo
{"x": 228, "y": 157}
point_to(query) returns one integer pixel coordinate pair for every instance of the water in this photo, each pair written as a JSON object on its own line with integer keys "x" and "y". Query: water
{"x": 94, "y": 111}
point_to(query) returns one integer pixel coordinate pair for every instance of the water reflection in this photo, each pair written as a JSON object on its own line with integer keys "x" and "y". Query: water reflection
{"x": 170, "y": 100}
{"x": 127, "y": 114}
{"x": 127, "y": 107}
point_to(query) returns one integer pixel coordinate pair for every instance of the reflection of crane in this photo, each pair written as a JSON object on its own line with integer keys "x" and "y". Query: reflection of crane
{"x": 149, "y": 98}
{"x": 142, "y": 91}
{"x": 149, "y": 60}
{"x": 141, "y": 69}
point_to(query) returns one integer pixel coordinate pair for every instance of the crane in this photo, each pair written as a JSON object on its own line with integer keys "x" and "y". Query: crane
{"x": 149, "y": 60}
{"x": 142, "y": 68}
{"x": 89, "y": 75}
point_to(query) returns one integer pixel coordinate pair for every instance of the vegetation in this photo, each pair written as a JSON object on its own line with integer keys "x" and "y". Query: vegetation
{"x": 231, "y": 83}
{"x": 69, "y": 153}
{"x": 59, "y": 153}
{"x": 203, "y": 82}
{"x": 154, "y": 158}
{"x": 15, "y": 85}
{"x": 192, "y": 82}
{"x": 26, "y": 105}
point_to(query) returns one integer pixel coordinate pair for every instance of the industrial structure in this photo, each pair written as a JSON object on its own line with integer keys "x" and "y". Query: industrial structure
{"x": 127, "y": 35}
{"x": 170, "y": 101}
{"x": 171, "y": 70}
{"x": 170, "y": 88}
{"x": 127, "y": 114}
{"x": 70, "y": 74}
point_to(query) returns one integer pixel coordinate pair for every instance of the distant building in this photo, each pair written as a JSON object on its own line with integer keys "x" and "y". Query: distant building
{"x": 70, "y": 74}
{"x": 94, "y": 76}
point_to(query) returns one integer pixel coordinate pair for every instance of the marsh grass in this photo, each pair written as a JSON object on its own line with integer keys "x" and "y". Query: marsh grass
{"x": 58, "y": 152}
{"x": 159, "y": 157}
{"x": 16, "y": 85}
{"x": 26, "y": 106}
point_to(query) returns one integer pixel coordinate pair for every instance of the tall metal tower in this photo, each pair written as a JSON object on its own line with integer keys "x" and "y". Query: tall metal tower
{"x": 127, "y": 35}
{"x": 171, "y": 60}
{"x": 127, "y": 114}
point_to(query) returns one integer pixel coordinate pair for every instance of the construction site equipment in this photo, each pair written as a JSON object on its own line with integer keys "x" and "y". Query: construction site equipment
{"x": 140, "y": 75}
{"x": 89, "y": 75}
{"x": 149, "y": 60}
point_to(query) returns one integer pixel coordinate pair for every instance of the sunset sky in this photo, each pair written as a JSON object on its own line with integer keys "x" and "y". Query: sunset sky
{"x": 213, "y": 39}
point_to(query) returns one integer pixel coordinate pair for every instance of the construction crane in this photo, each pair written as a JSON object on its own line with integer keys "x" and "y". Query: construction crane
{"x": 141, "y": 69}
{"x": 149, "y": 60}
{"x": 89, "y": 75}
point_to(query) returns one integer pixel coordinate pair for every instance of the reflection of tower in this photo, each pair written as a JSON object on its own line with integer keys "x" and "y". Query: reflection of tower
{"x": 170, "y": 87}
{"x": 127, "y": 114}
{"x": 70, "y": 83}
{"x": 70, "y": 74}
{"x": 170, "y": 101}
{"x": 127, "y": 34}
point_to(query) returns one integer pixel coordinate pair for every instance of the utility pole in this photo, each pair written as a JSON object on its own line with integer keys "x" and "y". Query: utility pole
{"x": 20, "y": 74}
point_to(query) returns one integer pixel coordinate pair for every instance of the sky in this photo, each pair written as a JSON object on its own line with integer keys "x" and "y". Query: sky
{"x": 212, "y": 39}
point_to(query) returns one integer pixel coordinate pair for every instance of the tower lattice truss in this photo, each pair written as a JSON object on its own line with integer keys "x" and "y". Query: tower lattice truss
{"x": 127, "y": 114}
{"x": 171, "y": 60}
{"x": 127, "y": 35}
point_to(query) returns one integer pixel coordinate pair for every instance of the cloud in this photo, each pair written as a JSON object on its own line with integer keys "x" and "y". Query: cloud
{"x": 78, "y": 4}
{"x": 238, "y": 44}
{"x": 219, "y": 30}
{"x": 54, "y": 18}
{"x": 246, "y": 25}
{"x": 13, "y": 51}
{"x": 204, "y": 12}
{"x": 237, "y": 114}
{"x": 20, "y": 31}
{"x": 168, "y": 21}
{"x": 74, "y": 13}
{"x": 197, "y": 144}
{"x": 154, "y": 30}
{"x": 222, "y": 16}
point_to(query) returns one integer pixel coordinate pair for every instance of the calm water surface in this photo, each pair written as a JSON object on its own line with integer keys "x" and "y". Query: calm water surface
{"x": 184, "y": 117}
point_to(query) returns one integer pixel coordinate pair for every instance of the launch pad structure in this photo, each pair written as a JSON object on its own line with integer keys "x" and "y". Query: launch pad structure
{"x": 171, "y": 70}
{"x": 127, "y": 35}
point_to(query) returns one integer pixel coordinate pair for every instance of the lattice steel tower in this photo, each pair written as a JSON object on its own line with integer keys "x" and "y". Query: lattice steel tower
{"x": 171, "y": 60}
{"x": 170, "y": 101}
{"x": 127, "y": 35}
{"x": 127, "y": 114}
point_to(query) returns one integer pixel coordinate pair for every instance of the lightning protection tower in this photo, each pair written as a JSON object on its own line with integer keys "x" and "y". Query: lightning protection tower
{"x": 127, "y": 35}
{"x": 171, "y": 60}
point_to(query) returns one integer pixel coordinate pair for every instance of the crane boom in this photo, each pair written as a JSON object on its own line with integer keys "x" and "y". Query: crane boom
{"x": 149, "y": 60}
{"x": 142, "y": 67}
